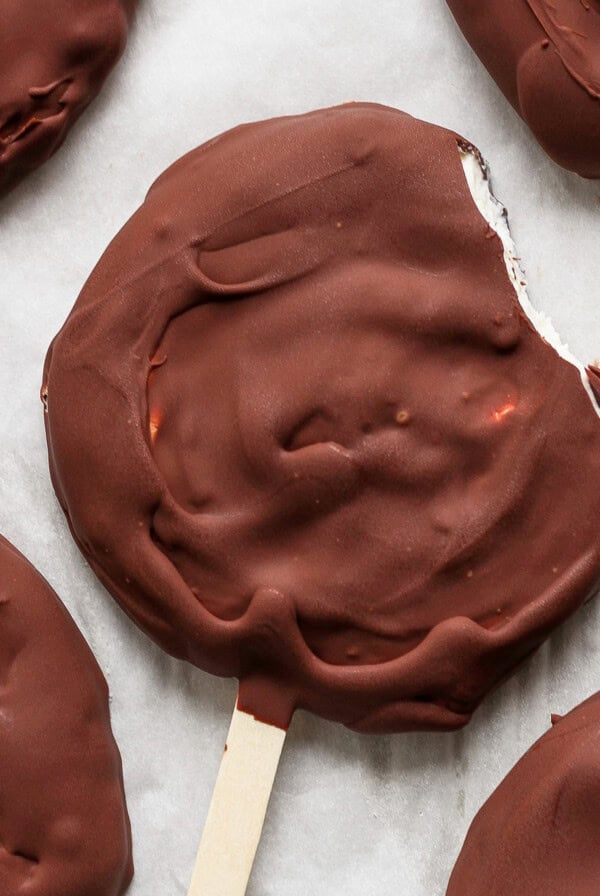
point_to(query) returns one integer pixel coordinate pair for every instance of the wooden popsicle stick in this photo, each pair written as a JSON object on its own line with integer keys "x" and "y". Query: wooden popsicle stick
{"x": 238, "y": 807}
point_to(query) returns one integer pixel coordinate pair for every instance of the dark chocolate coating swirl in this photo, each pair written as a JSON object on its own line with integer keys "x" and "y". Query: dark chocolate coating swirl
{"x": 545, "y": 57}
{"x": 538, "y": 832}
{"x": 55, "y": 56}
{"x": 305, "y": 435}
{"x": 64, "y": 829}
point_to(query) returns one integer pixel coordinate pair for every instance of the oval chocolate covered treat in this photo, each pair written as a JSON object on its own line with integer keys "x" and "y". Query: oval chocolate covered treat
{"x": 538, "y": 832}
{"x": 64, "y": 829}
{"x": 306, "y": 433}
{"x": 545, "y": 57}
{"x": 55, "y": 57}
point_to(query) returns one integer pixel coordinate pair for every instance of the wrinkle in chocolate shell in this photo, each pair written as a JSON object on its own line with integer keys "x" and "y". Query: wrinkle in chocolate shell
{"x": 64, "y": 829}
{"x": 538, "y": 832}
{"x": 545, "y": 57}
{"x": 55, "y": 56}
{"x": 304, "y": 433}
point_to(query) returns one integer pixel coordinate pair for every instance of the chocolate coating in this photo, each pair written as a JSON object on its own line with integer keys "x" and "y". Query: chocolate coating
{"x": 538, "y": 833}
{"x": 594, "y": 379}
{"x": 303, "y": 432}
{"x": 55, "y": 56}
{"x": 64, "y": 829}
{"x": 545, "y": 57}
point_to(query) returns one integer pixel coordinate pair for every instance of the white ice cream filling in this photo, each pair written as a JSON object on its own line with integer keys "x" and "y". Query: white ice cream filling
{"x": 495, "y": 214}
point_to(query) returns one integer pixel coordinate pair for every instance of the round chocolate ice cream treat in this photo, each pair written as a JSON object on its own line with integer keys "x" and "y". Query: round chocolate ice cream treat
{"x": 538, "y": 833}
{"x": 304, "y": 432}
{"x": 55, "y": 57}
{"x": 545, "y": 57}
{"x": 64, "y": 829}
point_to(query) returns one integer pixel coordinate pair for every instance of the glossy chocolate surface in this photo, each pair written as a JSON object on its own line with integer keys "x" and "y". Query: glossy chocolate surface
{"x": 64, "y": 829}
{"x": 545, "y": 57}
{"x": 305, "y": 435}
{"x": 54, "y": 58}
{"x": 538, "y": 833}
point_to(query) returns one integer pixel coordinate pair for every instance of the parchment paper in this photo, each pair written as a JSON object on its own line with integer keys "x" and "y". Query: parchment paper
{"x": 350, "y": 814}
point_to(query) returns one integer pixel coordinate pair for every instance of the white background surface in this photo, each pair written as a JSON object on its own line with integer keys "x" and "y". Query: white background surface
{"x": 350, "y": 814}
